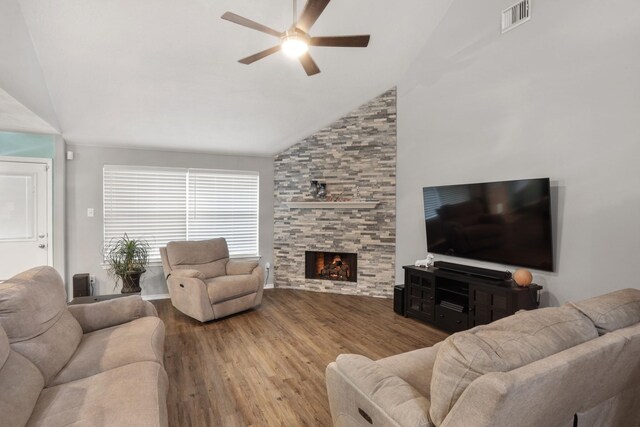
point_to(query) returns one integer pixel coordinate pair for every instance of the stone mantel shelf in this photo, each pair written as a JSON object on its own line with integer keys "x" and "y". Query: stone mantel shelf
{"x": 356, "y": 204}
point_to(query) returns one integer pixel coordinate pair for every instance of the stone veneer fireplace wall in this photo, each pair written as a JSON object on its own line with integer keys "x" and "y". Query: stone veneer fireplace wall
{"x": 356, "y": 157}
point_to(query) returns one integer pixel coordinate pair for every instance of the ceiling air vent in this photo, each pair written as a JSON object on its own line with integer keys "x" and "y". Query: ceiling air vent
{"x": 517, "y": 14}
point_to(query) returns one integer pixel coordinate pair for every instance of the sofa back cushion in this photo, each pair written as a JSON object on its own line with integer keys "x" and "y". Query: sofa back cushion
{"x": 502, "y": 346}
{"x": 549, "y": 392}
{"x": 208, "y": 256}
{"x": 20, "y": 385}
{"x": 33, "y": 312}
{"x": 612, "y": 311}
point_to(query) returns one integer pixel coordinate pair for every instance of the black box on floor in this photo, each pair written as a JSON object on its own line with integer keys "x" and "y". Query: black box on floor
{"x": 398, "y": 299}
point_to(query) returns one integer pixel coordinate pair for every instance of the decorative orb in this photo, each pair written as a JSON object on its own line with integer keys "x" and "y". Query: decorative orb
{"x": 522, "y": 277}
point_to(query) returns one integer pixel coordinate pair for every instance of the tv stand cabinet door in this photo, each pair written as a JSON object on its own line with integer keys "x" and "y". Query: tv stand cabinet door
{"x": 487, "y": 305}
{"x": 420, "y": 298}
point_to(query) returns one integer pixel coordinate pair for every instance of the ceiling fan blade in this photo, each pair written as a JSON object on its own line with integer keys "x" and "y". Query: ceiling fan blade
{"x": 312, "y": 11}
{"x": 256, "y": 56}
{"x": 340, "y": 41}
{"x": 237, "y": 19}
{"x": 309, "y": 64}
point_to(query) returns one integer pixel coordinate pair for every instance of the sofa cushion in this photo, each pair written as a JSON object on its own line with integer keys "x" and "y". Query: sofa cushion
{"x": 33, "y": 312}
{"x": 51, "y": 351}
{"x": 208, "y": 256}
{"x": 226, "y": 287}
{"x": 131, "y": 395}
{"x": 502, "y": 346}
{"x": 612, "y": 311}
{"x": 31, "y": 302}
{"x": 140, "y": 340}
{"x": 20, "y": 385}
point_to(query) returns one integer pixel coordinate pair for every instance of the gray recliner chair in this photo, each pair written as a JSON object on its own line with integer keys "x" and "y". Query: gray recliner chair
{"x": 204, "y": 283}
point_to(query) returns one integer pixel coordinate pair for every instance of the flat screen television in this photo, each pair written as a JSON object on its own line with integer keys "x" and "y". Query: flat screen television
{"x": 506, "y": 222}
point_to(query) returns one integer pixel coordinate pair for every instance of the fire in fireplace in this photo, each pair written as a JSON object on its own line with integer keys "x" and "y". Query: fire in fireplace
{"x": 331, "y": 266}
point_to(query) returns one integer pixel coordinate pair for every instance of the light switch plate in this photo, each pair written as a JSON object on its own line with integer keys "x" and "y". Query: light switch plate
{"x": 90, "y": 212}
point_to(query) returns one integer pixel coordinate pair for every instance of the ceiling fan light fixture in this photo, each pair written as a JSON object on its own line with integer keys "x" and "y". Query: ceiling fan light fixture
{"x": 294, "y": 45}
{"x": 296, "y": 41}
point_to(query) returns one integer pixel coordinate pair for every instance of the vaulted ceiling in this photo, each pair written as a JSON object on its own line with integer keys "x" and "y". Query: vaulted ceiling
{"x": 164, "y": 73}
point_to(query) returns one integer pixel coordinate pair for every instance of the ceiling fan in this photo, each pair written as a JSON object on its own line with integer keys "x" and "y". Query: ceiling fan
{"x": 295, "y": 41}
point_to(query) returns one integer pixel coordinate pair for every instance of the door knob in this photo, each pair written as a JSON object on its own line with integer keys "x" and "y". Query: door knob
{"x": 42, "y": 245}
{"x": 42, "y": 236}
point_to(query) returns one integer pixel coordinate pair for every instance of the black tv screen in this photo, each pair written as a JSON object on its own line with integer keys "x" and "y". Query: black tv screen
{"x": 506, "y": 222}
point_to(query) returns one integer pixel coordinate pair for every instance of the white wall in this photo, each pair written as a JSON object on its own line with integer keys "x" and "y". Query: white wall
{"x": 84, "y": 190}
{"x": 558, "y": 97}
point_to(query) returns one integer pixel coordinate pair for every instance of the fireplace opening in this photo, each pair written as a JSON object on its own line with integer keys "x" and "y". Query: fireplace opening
{"x": 331, "y": 266}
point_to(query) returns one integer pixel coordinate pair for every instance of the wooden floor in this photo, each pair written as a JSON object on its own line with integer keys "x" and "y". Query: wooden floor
{"x": 265, "y": 367}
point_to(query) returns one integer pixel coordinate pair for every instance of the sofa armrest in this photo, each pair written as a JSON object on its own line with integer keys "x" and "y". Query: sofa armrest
{"x": 362, "y": 393}
{"x": 105, "y": 314}
{"x": 415, "y": 367}
{"x": 241, "y": 266}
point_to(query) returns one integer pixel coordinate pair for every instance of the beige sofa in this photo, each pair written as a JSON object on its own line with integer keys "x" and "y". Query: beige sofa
{"x": 576, "y": 365}
{"x": 84, "y": 365}
{"x": 205, "y": 284}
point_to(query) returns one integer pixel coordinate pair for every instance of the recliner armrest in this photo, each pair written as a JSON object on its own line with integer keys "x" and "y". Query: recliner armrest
{"x": 105, "y": 314}
{"x": 190, "y": 296}
{"x": 241, "y": 266}
{"x": 187, "y": 272}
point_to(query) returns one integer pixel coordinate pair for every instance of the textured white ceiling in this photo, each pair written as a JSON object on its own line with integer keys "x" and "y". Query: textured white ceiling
{"x": 164, "y": 73}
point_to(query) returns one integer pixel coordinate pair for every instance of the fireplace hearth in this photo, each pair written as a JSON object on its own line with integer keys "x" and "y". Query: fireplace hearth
{"x": 341, "y": 266}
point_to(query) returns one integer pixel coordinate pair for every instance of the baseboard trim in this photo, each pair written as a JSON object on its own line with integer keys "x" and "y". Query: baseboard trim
{"x": 268, "y": 286}
{"x": 155, "y": 296}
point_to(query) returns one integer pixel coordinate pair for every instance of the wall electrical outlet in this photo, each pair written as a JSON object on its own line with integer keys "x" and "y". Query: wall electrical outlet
{"x": 267, "y": 265}
{"x": 90, "y": 212}
{"x": 92, "y": 279}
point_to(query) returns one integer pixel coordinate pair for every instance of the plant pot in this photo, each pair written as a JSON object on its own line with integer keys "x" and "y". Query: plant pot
{"x": 131, "y": 282}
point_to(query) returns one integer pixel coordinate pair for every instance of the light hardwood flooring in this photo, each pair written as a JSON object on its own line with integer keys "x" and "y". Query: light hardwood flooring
{"x": 265, "y": 367}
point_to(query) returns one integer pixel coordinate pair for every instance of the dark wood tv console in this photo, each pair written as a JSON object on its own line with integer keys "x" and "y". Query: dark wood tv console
{"x": 455, "y": 302}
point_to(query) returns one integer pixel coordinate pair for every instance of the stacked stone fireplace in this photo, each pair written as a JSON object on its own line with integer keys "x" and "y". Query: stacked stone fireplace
{"x": 356, "y": 158}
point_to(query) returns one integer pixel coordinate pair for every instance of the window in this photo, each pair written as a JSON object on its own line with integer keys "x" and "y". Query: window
{"x": 165, "y": 204}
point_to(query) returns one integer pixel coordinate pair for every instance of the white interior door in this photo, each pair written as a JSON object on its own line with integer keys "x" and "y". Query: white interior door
{"x": 24, "y": 217}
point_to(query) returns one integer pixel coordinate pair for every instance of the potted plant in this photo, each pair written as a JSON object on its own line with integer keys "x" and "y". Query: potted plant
{"x": 127, "y": 260}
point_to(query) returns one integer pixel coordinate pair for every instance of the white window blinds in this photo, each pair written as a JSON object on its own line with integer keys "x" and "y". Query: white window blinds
{"x": 165, "y": 204}
{"x": 224, "y": 205}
